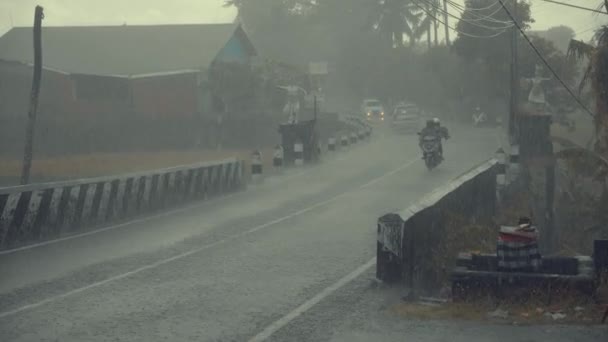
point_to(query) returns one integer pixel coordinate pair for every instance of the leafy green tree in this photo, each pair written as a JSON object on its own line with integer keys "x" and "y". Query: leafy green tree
{"x": 396, "y": 19}
{"x": 560, "y": 36}
{"x": 484, "y": 41}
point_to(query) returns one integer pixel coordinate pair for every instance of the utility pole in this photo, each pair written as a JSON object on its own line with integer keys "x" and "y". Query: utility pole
{"x": 429, "y": 26}
{"x": 447, "y": 26}
{"x": 31, "y": 115}
{"x": 435, "y": 24}
{"x": 514, "y": 92}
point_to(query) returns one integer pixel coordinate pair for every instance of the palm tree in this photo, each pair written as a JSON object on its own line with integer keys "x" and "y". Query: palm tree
{"x": 596, "y": 74}
{"x": 432, "y": 11}
{"x": 398, "y": 18}
{"x": 585, "y": 162}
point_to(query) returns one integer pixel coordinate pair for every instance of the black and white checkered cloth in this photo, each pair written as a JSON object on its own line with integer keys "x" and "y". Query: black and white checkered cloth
{"x": 518, "y": 256}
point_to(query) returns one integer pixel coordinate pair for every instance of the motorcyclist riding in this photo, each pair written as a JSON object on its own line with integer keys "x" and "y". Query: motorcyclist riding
{"x": 433, "y": 128}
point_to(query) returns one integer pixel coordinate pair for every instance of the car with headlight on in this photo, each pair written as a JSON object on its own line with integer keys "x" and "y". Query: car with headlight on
{"x": 406, "y": 118}
{"x": 373, "y": 110}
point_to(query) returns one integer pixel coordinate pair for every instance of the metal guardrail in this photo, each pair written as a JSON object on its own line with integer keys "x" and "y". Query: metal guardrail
{"x": 406, "y": 239}
{"x": 39, "y": 212}
{"x": 44, "y": 211}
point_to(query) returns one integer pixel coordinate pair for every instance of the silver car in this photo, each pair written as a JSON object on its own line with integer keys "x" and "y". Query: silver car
{"x": 406, "y": 118}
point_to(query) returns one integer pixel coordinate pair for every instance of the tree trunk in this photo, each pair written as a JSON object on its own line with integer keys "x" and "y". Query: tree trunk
{"x": 435, "y": 25}
{"x": 428, "y": 29}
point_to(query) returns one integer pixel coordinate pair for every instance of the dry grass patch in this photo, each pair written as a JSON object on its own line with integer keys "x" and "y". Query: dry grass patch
{"x": 101, "y": 164}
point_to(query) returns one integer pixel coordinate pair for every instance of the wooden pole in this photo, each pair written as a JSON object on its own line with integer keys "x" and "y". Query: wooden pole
{"x": 514, "y": 100}
{"x": 435, "y": 23}
{"x": 429, "y": 30}
{"x": 446, "y": 24}
{"x": 31, "y": 115}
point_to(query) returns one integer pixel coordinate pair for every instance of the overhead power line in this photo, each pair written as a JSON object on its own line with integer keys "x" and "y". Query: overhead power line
{"x": 468, "y": 21}
{"x": 484, "y": 8}
{"x": 542, "y": 58}
{"x": 576, "y": 6}
{"x": 478, "y": 16}
{"x": 452, "y": 28}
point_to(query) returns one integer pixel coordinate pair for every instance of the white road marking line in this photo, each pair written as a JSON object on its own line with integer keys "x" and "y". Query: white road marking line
{"x": 119, "y": 225}
{"x": 376, "y": 180}
{"x": 151, "y": 217}
{"x": 200, "y": 249}
{"x": 283, "y": 321}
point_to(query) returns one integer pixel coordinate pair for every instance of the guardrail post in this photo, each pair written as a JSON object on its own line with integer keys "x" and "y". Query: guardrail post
{"x": 331, "y": 144}
{"x": 277, "y": 157}
{"x": 111, "y": 207}
{"x": 14, "y": 231}
{"x": 256, "y": 166}
{"x": 189, "y": 185}
{"x": 298, "y": 150}
{"x": 41, "y": 225}
{"x": 79, "y": 207}
{"x": 141, "y": 191}
{"x": 199, "y": 191}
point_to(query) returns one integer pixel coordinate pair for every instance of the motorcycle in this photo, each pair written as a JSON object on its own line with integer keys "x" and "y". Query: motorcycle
{"x": 430, "y": 150}
{"x": 479, "y": 118}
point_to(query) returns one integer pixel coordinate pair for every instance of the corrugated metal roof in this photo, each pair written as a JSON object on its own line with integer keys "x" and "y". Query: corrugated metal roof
{"x": 123, "y": 50}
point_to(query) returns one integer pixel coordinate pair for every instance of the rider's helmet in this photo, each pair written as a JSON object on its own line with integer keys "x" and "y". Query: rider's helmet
{"x": 436, "y": 122}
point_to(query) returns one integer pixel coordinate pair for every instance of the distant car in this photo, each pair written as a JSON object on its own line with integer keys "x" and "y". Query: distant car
{"x": 373, "y": 110}
{"x": 406, "y": 118}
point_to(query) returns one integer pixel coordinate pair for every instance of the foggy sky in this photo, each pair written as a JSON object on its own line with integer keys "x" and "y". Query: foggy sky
{"x": 117, "y": 12}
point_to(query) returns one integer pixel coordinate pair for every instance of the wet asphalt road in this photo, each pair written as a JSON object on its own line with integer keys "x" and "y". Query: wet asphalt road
{"x": 262, "y": 263}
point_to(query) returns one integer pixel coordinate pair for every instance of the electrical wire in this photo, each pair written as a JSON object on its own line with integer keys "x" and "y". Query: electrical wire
{"x": 576, "y": 6}
{"x": 479, "y": 17}
{"x": 591, "y": 28}
{"x": 493, "y": 28}
{"x": 472, "y": 11}
{"x": 542, "y": 58}
{"x": 473, "y": 21}
{"x": 481, "y": 8}
{"x": 452, "y": 28}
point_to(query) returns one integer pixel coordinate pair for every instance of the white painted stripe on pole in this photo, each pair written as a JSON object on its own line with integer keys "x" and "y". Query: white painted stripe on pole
{"x": 198, "y": 249}
{"x": 514, "y": 150}
{"x": 135, "y": 191}
{"x": 70, "y": 208}
{"x": 501, "y": 179}
{"x": 205, "y": 181}
{"x": 307, "y": 305}
{"x": 298, "y": 149}
{"x": 104, "y": 204}
{"x": 191, "y": 191}
{"x": 32, "y": 210}
{"x": 120, "y": 198}
{"x": 54, "y": 207}
{"x": 9, "y": 208}
{"x": 88, "y": 202}
{"x": 147, "y": 191}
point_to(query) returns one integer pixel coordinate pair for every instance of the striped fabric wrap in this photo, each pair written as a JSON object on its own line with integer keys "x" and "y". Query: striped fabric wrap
{"x": 518, "y": 255}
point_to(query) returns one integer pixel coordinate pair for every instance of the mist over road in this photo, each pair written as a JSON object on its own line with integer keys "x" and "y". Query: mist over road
{"x": 228, "y": 269}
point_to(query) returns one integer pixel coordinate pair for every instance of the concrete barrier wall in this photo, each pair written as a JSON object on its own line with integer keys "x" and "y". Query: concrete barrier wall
{"x": 407, "y": 240}
{"x": 39, "y": 212}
